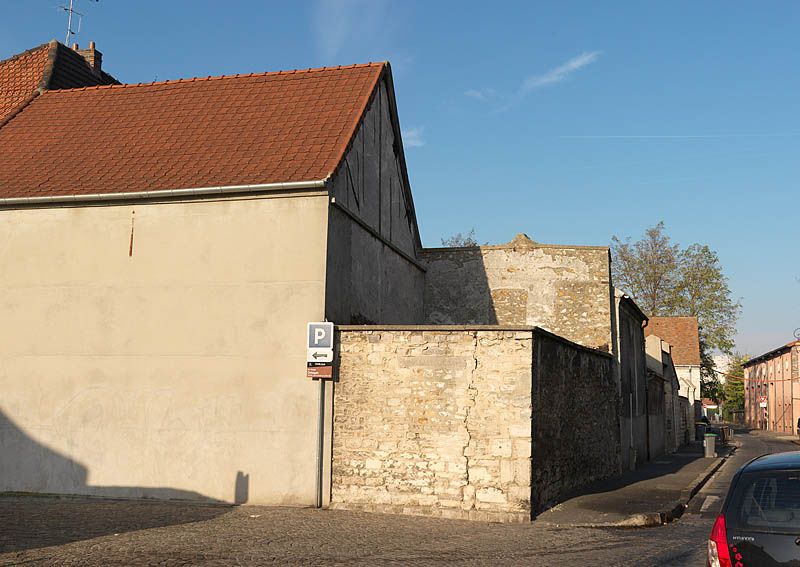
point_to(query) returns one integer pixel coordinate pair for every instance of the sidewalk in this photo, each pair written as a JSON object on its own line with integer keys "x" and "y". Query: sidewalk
{"x": 779, "y": 436}
{"x": 652, "y": 495}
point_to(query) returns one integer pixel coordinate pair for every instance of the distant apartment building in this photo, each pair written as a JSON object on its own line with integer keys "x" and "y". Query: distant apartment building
{"x": 772, "y": 389}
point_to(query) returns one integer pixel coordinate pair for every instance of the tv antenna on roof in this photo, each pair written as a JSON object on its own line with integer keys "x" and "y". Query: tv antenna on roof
{"x": 71, "y": 10}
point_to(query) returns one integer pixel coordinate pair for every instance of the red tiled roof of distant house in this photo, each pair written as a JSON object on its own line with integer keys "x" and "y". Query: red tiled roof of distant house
{"x": 20, "y": 76}
{"x": 682, "y": 334}
{"x": 197, "y": 133}
{"x": 49, "y": 66}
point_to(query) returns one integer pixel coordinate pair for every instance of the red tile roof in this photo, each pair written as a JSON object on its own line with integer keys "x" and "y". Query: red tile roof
{"x": 49, "y": 66}
{"x": 20, "y": 76}
{"x": 220, "y": 131}
{"x": 681, "y": 333}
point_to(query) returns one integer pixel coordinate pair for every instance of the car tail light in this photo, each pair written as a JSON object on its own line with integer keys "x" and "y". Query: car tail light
{"x": 718, "y": 554}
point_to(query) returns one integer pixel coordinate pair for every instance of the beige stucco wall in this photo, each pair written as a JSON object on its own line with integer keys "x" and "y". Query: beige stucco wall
{"x": 171, "y": 372}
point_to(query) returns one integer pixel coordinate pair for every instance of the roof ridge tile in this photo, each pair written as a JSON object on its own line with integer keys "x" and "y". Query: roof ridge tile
{"x": 221, "y": 77}
{"x": 252, "y": 129}
{"x": 26, "y": 52}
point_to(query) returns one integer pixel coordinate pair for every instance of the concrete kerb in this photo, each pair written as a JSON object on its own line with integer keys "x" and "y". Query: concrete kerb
{"x": 676, "y": 511}
{"x": 668, "y": 514}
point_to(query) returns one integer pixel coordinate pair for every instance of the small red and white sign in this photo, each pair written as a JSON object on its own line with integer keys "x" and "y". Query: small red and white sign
{"x": 762, "y": 401}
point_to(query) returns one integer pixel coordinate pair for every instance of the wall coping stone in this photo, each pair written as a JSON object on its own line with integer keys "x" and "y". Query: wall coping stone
{"x": 434, "y": 328}
{"x": 451, "y": 328}
{"x": 512, "y": 246}
{"x": 576, "y": 346}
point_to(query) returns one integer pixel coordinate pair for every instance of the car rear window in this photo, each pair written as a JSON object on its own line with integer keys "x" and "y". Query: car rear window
{"x": 766, "y": 501}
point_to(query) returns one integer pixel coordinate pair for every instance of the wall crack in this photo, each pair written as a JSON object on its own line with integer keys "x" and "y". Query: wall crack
{"x": 472, "y": 392}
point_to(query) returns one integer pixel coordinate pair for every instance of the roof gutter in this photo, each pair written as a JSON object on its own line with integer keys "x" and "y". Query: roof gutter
{"x": 165, "y": 193}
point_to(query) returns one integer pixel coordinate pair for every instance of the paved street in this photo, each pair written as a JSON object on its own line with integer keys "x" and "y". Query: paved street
{"x": 102, "y": 532}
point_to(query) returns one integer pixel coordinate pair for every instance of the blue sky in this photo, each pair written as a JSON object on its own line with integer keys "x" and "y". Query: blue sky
{"x": 569, "y": 121}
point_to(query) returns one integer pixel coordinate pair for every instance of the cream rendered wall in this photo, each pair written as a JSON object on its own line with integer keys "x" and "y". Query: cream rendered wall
{"x": 689, "y": 378}
{"x": 177, "y": 371}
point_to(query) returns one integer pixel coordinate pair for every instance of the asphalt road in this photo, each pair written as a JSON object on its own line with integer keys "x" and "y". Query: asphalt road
{"x": 48, "y": 531}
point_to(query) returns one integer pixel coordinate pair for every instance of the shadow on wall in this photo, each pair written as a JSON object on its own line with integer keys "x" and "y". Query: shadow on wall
{"x": 27, "y": 466}
{"x": 457, "y": 289}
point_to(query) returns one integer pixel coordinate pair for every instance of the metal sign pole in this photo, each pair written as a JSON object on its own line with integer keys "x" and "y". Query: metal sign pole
{"x": 320, "y": 441}
{"x": 319, "y": 366}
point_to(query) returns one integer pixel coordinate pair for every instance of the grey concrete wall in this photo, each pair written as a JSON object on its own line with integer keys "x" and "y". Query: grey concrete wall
{"x": 177, "y": 370}
{"x": 564, "y": 289}
{"x": 373, "y": 272}
{"x": 575, "y": 418}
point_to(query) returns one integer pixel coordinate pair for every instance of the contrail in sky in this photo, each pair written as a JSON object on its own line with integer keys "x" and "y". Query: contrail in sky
{"x": 676, "y": 136}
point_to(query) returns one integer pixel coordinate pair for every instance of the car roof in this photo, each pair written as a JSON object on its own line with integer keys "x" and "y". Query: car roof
{"x": 776, "y": 461}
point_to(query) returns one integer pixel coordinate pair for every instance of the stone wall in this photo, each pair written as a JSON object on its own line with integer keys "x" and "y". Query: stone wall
{"x": 575, "y": 418}
{"x": 564, "y": 289}
{"x": 487, "y": 423}
{"x": 434, "y": 422}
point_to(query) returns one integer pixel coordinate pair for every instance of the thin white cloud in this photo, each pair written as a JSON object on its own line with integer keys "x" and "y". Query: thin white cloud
{"x": 677, "y": 136}
{"x": 335, "y": 23}
{"x": 534, "y": 82}
{"x": 412, "y": 138}
{"x": 481, "y": 94}
{"x": 560, "y": 73}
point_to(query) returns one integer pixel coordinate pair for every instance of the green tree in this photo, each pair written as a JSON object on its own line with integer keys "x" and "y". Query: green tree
{"x": 647, "y": 269}
{"x": 667, "y": 280}
{"x": 734, "y": 385}
{"x": 703, "y": 291}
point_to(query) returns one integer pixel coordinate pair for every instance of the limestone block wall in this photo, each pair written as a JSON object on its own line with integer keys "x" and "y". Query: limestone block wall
{"x": 564, "y": 289}
{"x": 488, "y": 423}
{"x": 575, "y": 418}
{"x": 434, "y": 421}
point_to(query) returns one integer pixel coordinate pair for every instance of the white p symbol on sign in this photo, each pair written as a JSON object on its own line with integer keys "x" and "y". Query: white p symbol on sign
{"x": 320, "y": 335}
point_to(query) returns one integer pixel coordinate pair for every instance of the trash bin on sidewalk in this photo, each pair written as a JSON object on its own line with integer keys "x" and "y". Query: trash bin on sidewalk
{"x": 727, "y": 434}
{"x": 699, "y": 431}
{"x": 710, "y": 445}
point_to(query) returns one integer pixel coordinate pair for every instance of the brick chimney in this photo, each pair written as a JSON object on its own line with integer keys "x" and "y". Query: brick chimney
{"x": 92, "y": 56}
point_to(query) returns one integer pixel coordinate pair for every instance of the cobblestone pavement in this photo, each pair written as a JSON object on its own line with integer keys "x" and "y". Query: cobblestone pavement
{"x": 73, "y": 531}
{"x": 97, "y": 532}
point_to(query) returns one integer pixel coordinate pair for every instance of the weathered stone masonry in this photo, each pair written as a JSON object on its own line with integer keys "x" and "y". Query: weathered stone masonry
{"x": 564, "y": 289}
{"x": 575, "y": 418}
{"x": 434, "y": 422}
{"x": 442, "y": 420}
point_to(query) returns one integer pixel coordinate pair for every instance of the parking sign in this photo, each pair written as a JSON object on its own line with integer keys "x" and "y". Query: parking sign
{"x": 319, "y": 350}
